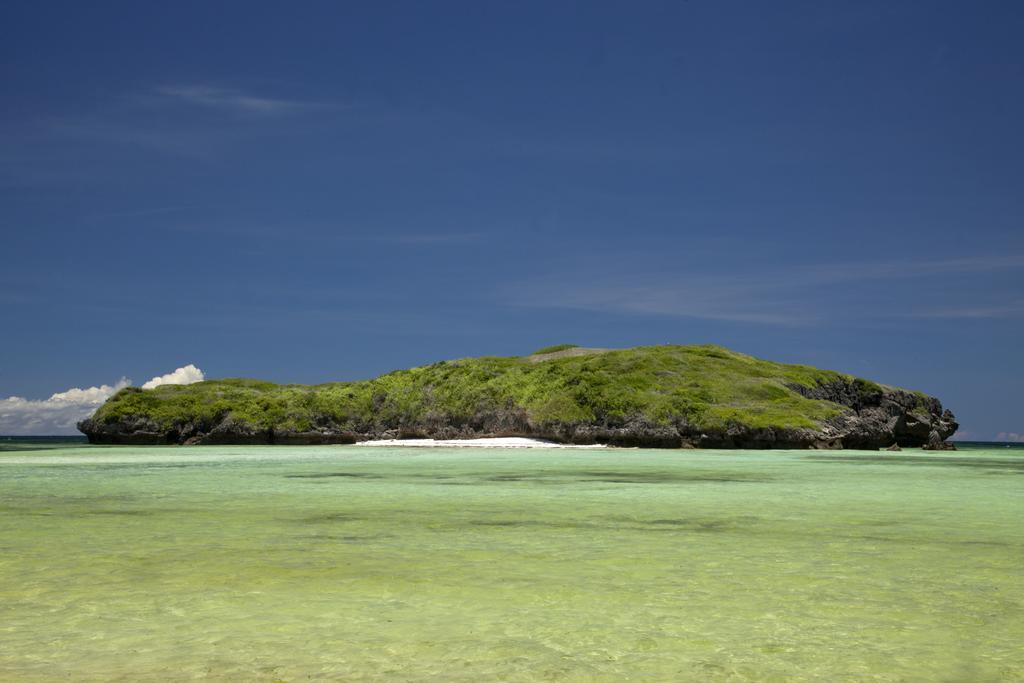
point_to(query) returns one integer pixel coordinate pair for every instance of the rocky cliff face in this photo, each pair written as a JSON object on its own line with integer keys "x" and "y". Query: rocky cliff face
{"x": 874, "y": 417}
{"x": 877, "y": 418}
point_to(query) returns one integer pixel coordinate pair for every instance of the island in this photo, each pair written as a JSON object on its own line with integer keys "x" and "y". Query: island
{"x": 697, "y": 396}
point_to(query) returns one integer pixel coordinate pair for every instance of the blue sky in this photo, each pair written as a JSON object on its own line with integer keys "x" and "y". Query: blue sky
{"x": 325, "y": 191}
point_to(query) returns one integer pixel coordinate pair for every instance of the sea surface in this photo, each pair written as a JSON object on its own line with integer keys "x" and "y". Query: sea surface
{"x": 344, "y": 563}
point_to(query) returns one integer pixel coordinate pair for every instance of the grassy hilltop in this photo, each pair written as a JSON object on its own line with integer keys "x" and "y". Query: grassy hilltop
{"x": 709, "y": 385}
{"x": 561, "y": 392}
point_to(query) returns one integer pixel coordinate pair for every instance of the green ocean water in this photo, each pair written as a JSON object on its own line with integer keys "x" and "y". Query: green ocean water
{"x": 347, "y": 563}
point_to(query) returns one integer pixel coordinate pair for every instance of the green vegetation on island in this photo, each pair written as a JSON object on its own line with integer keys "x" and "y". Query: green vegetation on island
{"x": 656, "y": 395}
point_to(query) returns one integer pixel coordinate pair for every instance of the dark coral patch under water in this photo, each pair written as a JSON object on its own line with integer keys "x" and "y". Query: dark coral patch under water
{"x": 1010, "y": 465}
{"x": 624, "y": 477}
{"x": 331, "y": 475}
{"x": 330, "y": 517}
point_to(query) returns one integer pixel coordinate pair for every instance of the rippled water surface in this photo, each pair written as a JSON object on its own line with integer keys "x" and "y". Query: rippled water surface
{"x": 343, "y": 563}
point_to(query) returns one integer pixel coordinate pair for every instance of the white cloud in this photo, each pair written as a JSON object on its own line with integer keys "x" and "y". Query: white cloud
{"x": 186, "y": 375}
{"x": 1012, "y": 437}
{"x": 57, "y": 414}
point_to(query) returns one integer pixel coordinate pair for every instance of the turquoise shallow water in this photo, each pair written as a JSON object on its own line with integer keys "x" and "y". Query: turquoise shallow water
{"x": 343, "y": 563}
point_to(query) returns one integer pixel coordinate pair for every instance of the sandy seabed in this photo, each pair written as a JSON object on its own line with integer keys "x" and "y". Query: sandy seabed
{"x": 154, "y": 564}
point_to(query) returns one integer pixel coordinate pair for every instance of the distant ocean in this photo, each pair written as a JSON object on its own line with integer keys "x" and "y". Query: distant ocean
{"x": 240, "y": 563}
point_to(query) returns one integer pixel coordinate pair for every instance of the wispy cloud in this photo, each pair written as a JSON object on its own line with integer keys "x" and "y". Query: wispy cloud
{"x": 427, "y": 238}
{"x": 1011, "y": 310}
{"x": 965, "y": 435}
{"x": 139, "y": 213}
{"x": 195, "y": 121}
{"x": 909, "y": 269}
{"x": 227, "y": 99}
{"x": 971, "y": 435}
{"x": 180, "y": 140}
{"x": 793, "y": 296}
{"x": 708, "y": 299}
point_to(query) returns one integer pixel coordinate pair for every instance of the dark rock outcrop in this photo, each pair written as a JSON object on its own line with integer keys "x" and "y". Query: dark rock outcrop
{"x": 141, "y": 432}
{"x": 879, "y": 416}
{"x": 936, "y": 442}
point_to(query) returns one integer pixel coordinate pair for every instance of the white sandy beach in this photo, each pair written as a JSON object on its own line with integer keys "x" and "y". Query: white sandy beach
{"x": 496, "y": 442}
